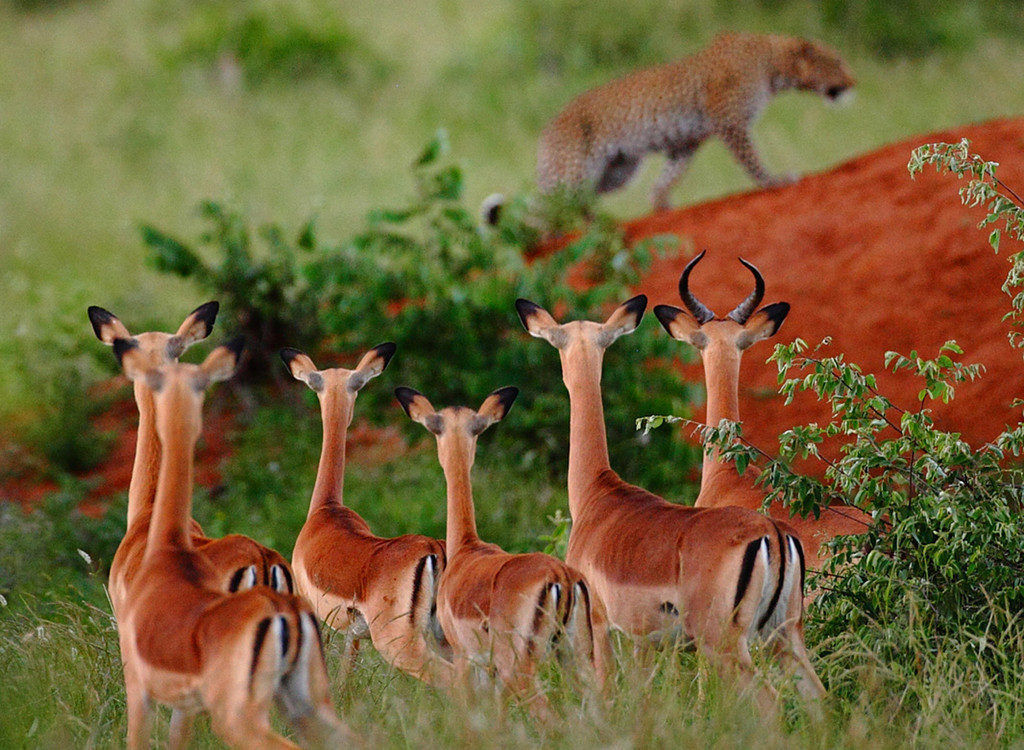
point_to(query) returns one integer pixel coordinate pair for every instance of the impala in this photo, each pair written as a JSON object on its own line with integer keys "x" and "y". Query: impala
{"x": 184, "y": 641}
{"x": 361, "y": 584}
{"x": 721, "y": 343}
{"x": 241, "y": 562}
{"x": 503, "y": 611}
{"x": 719, "y": 578}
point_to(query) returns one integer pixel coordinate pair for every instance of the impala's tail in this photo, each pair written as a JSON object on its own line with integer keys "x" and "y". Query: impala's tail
{"x": 423, "y": 607}
{"x": 772, "y": 567}
{"x": 288, "y": 659}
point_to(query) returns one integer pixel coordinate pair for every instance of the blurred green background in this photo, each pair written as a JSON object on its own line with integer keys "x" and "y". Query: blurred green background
{"x": 115, "y": 113}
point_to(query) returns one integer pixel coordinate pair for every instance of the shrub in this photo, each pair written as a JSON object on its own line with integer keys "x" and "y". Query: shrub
{"x": 428, "y": 277}
{"x": 277, "y": 41}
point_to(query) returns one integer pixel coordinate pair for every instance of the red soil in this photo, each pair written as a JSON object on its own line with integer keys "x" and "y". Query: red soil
{"x": 871, "y": 258}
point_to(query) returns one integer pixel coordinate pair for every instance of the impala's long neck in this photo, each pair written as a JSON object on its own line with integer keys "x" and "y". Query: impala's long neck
{"x": 722, "y": 375}
{"x": 336, "y": 412}
{"x": 588, "y": 441}
{"x": 460, "y": 526}
{"x": 146, "y": 469}
{"x": 172, "y": 507}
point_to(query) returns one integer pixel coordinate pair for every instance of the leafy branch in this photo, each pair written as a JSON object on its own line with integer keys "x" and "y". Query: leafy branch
{"x": 1004, "y": 205}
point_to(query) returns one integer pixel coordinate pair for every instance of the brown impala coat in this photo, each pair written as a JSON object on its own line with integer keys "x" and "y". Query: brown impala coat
{"x": 500, "y": 609}
{"x": 721, "y": 343}
{"x": 240, "y": 561}
{"x": 361, "y": 584}
{"x": 184, "y": 641}
{"x": 722, "y": 577}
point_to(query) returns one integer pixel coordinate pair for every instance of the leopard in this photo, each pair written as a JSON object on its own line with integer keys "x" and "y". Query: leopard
{"x": 599, "y": 139}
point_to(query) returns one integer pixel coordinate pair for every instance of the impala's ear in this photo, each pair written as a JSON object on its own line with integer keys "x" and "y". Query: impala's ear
{"x": 371, "y": 365}
{"x": 302, "y": 368}
{"x": 494, "y": 408}
{"x": 199, "y": 323}
{"x": 625, "y": 318}
{"x": 680, "y": 325}
{"x": 418, "y": 408}
{"x": 538, "y": 322}
{"x": 106, "y": 325}
{"x": 763, "y": 324}
{"x": 222, "y": 362}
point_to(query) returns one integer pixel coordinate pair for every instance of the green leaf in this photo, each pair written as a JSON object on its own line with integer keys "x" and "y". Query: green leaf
{"x": 168, "y": 254}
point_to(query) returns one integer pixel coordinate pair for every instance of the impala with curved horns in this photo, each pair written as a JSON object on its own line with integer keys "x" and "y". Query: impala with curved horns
{"x": 721, "y": 343}
{"x": 184, "y": 641}
{"x": 360, "y": 584}
{"x": 719, "y": 578}
{"x": 503, "y": 611}
{"x": 240, "y": 561}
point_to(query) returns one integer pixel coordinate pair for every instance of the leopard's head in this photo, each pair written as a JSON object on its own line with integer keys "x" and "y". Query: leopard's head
{"x": 813, "y": 67}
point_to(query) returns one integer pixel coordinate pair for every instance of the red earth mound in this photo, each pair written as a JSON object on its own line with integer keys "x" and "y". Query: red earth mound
{"x": 871, "y": 258}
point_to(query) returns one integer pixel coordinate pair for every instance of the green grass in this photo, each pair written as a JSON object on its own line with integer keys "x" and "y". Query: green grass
{"x": 62, "y": 689}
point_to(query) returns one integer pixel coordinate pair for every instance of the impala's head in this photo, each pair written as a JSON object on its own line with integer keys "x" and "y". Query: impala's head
{"x": 337, "y": 382}
{"x": 456, "y": 427}
{"x": 159, "y": 348}
{"x": 728, "y": 336}
{"x": 178, "y": 388}
{"x": 581, "y": 342}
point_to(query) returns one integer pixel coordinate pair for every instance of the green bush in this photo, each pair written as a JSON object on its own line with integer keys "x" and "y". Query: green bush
{"x": 911, "y": 28}
{"x": 269, "y": 299}
{"x": 277, "y": 41}
{"x": 428, "y": 277}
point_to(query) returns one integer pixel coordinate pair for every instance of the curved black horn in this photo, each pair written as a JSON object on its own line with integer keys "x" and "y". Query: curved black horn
{"x": 746, "y": 308}
{"x": 694, "y": 305}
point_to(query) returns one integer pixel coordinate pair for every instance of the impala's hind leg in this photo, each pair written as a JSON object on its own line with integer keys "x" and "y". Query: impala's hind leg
{"x": 241, "y": 679}
{"x": 180, "y": 730}
{"x": 304, "y": 693}
{"x": 139, "y": 708}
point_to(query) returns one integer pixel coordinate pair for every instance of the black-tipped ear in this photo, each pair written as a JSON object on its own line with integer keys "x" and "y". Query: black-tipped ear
{"x": 506, "y": 396}
{"x": 236, "y": 346}
{"x": 99, "y": 317}
{"x": 636, "y": 306}
{"x": 525, "y": 308}
{"x": 405, "y": 396}
{"x": 386, "y": 352}
{"x": 666, "y": 315}
{"x": 288, "y": 354}
{"x": 776, "y": 312}
{"x": 121, "y": 346}
{"x": 207, "y": 314}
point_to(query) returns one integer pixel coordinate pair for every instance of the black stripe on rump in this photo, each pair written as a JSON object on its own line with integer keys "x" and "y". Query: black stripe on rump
{"x": 285, "y": 636}
{"x": 257, "y": 648}
{"x": 417, "y": 585}
{"x": 236, "y": 579}
{"x": 538, "y": 617}
{"x": 300, "y": 637}
{"x": 746, "y": 570}
{"x": 782, "y": 578}
{"x": 586, "y": 608}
